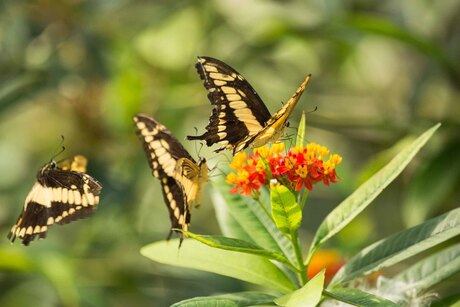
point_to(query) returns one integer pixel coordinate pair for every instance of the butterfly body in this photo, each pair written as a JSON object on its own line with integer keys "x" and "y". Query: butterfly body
{"x": 181, "y": 177}
{"x": 61, "y": 194}
{"x": 239, "y": 118}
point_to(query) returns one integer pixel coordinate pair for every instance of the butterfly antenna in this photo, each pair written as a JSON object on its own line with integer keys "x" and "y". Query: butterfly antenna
{"x": 312, "y": 111}
{"x": 221, "y": 172}
{"x": 60, "y": 150}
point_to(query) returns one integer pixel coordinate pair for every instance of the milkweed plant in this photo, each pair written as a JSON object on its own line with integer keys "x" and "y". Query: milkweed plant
{"x": 259, "y": 205}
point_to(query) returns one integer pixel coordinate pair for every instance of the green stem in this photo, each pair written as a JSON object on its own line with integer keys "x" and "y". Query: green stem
{"x": 301, "y": 267}
{"x": 265, "y": 209}
{"x": 303, "y": 198}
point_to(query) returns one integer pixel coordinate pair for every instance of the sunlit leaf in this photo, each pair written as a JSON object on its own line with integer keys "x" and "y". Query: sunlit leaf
{"x": 237, "y": 245}
{"x": 400, "y": 246}
{"x": 196, "y": 255}
{"x": 248, "y": 221}
{"x": 308, "y": 295}
{"x": 358, "y": 298}
{"x": 228, "y": 300}
{"x": 285, "y": 209}
{"x": 300, "y": 139}
{"x": 368, "y": 191}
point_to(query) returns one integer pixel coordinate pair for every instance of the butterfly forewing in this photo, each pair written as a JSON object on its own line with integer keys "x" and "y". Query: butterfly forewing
{"x": 274, "y": 128}
{"x": 166, "y": 157}
{"x": 239, "y": 118}
{"x": 238, "y": 110}
{"x": 61, "y": 195}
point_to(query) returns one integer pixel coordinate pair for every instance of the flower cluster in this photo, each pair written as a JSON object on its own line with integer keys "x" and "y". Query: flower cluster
{"x": 299, "y": 167}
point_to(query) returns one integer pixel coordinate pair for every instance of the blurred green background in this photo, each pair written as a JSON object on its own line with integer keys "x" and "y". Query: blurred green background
{"x": 382, "y": 72}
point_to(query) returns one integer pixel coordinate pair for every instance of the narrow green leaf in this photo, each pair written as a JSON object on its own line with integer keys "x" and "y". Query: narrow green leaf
{"x": 368, "y": 191}
{"x": 285, "y": 209}
{"x": 435, "y": 180}
{"x": 300, "y": 139}
{"x": 230, "y": 226}
{"x": 16, "y": 89}
{"x": 430, "y": 271}
{"x": 243, "y": 218}
{"x": 195, "y": 255}
{"x": 386, "y": 28}
{"x": 450, "y": 301}
{"x": 237, "y": 245}
{"x": 400, "y": 246}
{"x": 358, "y": 298}
{"x": 240, "y": 299}
{"x": 308, "y": 295}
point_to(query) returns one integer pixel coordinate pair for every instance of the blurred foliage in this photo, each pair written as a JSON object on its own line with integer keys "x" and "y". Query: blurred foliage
{"x": 81, "y": 69}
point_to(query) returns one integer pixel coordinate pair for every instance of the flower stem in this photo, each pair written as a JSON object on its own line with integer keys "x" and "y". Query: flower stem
{"x": 301, "y": 267}
{"x": 303, "y": 198}
{"x": 265, "y": 209}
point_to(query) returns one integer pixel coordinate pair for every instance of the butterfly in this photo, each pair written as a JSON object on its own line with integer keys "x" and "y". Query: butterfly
{"x": 62, "y": 193}
{"x": 239, "y": 118}
{"x": 182, "y": 178}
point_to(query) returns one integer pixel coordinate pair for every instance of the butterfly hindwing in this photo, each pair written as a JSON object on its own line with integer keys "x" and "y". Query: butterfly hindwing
{"x": 239, "y": 118}
{"x": 180, "y": 176}
{"x": 61, "y": 194}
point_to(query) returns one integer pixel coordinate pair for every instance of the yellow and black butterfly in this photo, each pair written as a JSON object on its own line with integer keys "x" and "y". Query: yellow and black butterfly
{"x": 61, "y": 194}
{"x": 239, "y": 119}
{"x": 181, "y": 177}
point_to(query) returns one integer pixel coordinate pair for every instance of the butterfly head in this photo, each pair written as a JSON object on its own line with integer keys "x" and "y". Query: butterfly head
{"x": 48, "y": 167}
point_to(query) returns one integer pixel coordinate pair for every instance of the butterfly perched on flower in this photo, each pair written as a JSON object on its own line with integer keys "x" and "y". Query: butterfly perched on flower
{"x": 181, "y": 177}
{"x": 62, "y": 193}
{"x": 239, "y": 118}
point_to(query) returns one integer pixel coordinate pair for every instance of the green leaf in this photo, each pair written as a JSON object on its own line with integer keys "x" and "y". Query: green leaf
{"x": 431, "y": 185}
{"x": 368, "y": 191}
{"x": 241, "y": 299}
{"x": 300, "y": 139}
{"x": 400, "y": 246}
{"x": 450, "y": 301}
{"x": 358, "y": 298}
{"x": 238, "y": 245}
{"x": 308, "y": 295}
{"x": 244, "y": 219}
{"x": 285, "y": 209}
{"x": 384, "y": 27}
{"x": 17, "y": 89}
{"x": 430, "y": 271}
{"x": 195, "y": 255}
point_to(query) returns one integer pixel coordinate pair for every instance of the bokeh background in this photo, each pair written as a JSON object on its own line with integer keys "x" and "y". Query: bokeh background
{"x": 382, "y": 73}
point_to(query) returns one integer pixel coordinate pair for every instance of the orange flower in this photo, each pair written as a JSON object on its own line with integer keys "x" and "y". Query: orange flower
{"x": 299, "y": 167}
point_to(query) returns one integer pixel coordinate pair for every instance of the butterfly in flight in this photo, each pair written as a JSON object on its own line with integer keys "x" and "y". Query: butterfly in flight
{"x": 62, "y": 193}
{"x": 182, "y": 178}
{"x": 239, "y": 118}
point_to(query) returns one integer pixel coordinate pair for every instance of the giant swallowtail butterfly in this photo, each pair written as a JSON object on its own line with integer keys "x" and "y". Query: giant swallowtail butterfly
{"x": 180, "y": 176}
{"x": 61, "y": 194}
{"x": 239, "y": 118}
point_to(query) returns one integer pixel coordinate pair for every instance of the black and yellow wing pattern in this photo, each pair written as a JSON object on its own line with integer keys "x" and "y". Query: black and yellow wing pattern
{"x": 62, "y": 193}
{"x": 239, "y": 118}
{"x": 181, "y": 177}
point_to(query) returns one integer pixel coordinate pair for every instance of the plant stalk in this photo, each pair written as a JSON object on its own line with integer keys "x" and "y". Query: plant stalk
{"x": 265, "y": 209}
{"x": 301, "y": 267}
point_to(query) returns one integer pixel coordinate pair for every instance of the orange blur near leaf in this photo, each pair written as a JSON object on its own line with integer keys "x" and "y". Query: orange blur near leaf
{"x": 329, "y": 259}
